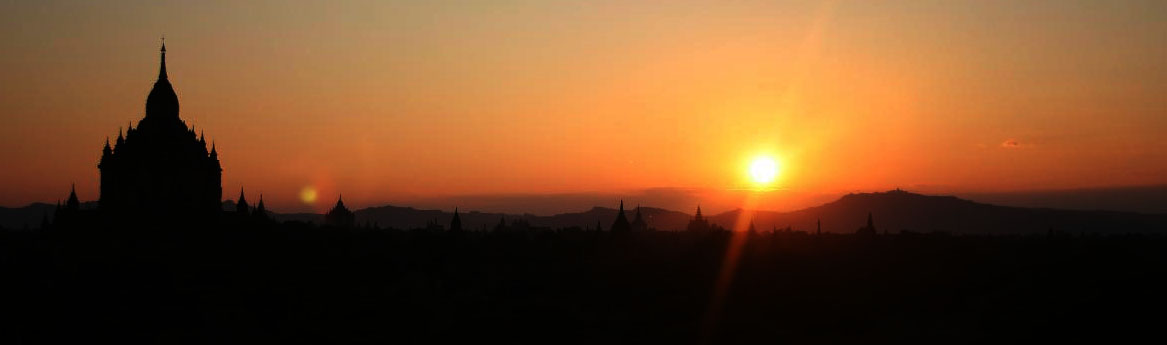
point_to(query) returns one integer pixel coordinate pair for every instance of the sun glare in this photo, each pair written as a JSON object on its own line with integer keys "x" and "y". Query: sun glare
{"x": 763, "y": 170}
{"x": 308, "y": 195}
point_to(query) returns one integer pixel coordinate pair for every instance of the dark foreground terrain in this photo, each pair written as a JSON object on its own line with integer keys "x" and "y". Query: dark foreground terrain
{"x": 294, "y": 283}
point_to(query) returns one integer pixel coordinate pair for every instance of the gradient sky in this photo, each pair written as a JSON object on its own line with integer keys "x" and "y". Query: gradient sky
{"x": 387, "y": 101}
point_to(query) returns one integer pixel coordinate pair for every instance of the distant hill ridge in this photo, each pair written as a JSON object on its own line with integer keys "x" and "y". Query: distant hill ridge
{"x": 899, "y": 210}
{"x": 893, "y": 211}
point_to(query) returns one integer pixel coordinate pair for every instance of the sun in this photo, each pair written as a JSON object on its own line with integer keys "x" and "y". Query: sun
{"x": 763, "y": 170}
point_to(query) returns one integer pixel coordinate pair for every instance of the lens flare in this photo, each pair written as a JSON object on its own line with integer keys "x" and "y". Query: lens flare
{"x": 308, "y": 195}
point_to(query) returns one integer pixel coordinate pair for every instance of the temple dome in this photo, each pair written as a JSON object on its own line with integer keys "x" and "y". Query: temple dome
{"x": 162, "y": 101}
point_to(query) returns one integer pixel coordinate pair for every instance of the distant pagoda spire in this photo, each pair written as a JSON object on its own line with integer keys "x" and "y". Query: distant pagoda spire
{"x": 456, "y": 222}
{"x": 638, "y": 223}
{"x": 621, "y": 223}
{"x": 241, "y": 206}
{"x": 340, "y": 216}
{"x": 699, "y": 223}
{"x": 73, "y": 203}
{"x": 260, "y": 210}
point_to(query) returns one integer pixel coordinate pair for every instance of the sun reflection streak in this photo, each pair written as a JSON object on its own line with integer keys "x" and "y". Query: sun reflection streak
{"x": 737, "y": 240}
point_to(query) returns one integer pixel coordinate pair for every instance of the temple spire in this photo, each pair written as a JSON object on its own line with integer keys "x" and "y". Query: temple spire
{"x": 241, "y": 206}
{"x": 621, "y": 224}
{"x": 73, "y": 203}
{"x": 456, "y": 222}
{"x": 260, "y": 210}
{"x": 162, "y": 67}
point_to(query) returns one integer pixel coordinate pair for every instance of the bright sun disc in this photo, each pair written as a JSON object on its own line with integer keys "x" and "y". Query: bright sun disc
{"x": 763, "y": 170}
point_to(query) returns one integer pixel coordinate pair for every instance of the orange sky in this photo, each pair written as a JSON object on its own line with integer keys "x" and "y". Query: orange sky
{"x": 388, "y": 101}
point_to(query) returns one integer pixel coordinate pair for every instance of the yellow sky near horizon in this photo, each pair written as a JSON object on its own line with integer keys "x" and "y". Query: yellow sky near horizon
{"x": 384, "y": 100}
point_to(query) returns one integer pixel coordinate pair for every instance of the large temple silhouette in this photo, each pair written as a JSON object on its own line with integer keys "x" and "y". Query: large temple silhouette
{"x": 161, "y": 168}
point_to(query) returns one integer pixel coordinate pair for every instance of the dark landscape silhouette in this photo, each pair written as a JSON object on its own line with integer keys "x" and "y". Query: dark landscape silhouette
{"x": 898, "y": 211}
{"x": 161, "y": 258}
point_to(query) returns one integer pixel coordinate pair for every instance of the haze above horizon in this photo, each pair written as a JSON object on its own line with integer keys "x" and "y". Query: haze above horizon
{"x": 398, "y": 101}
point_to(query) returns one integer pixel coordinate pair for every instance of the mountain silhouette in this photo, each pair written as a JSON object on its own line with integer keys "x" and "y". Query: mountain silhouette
{"x": 1141, "y": 199}
{"x": 898, "y": 210}
{"x": 893, "y": 211}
